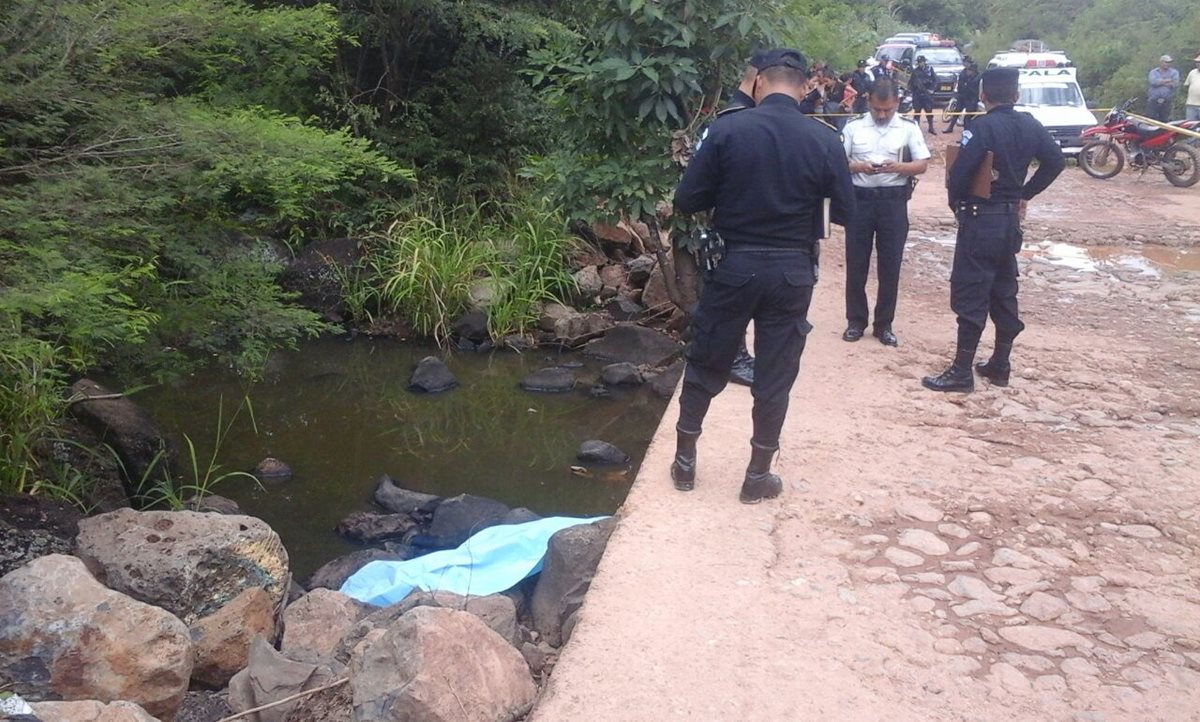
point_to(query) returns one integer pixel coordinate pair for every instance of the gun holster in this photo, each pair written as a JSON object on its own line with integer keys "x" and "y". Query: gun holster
{"x": 710, "y": 249}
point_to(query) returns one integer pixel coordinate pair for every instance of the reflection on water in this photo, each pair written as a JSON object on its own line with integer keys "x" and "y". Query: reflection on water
{"x": 340, "y": 415}
{"x": 1147, "y": 260}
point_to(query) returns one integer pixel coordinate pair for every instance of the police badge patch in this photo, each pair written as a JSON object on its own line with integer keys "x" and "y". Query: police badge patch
{"x": 966, "y": 137}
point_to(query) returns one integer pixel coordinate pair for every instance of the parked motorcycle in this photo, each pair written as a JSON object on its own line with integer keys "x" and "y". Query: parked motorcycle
{"x": 1120, "y": 139}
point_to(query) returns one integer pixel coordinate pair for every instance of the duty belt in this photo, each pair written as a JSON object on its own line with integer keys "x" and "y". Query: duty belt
{"x": 989, "y": 209}
{"x": 885, "y": 192}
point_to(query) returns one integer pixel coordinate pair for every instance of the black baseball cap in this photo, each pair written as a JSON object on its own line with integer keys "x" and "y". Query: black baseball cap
{"x": 757, "y": 58}
{"x": 920, "y": 58}
{"x": 862, "y": 63}
{"x": 1001, "y": 76}
{"x": 783, "y": 57}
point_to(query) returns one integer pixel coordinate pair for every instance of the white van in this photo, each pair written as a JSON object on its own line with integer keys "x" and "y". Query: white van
{"x": 1050, "y": 93}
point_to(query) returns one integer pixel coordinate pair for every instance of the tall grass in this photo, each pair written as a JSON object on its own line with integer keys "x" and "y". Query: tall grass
{"x": 425, "y": 266}
{"x": 32, "y": 400}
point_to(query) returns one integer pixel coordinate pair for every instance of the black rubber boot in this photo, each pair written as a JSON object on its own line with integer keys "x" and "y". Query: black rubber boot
{"x": 956, "y": 378}
{"x": 742, "y": 371}
{"x": 997, "y": 369}
{"x": 931, "y": 129}
{"x": 760, "y": 483}
{"x": 683, "y": 468}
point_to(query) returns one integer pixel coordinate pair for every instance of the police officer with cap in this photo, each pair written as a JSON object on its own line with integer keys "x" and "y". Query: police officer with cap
{"x": 983, "y": 281}
{"x": 921, "y": 84}
{"x": 764, "y": 173}
{"x": 861, "y": 82}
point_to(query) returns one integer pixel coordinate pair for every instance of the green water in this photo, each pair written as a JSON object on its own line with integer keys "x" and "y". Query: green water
{"x": 338, "y": 412}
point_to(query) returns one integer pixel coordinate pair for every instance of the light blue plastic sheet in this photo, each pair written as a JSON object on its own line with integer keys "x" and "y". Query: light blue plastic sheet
{"x": 491, "y": 561}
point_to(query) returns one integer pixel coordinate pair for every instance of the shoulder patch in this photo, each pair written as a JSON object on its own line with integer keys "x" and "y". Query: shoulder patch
{"x": 700, "y": 141}
{"x": 966, "y": 137}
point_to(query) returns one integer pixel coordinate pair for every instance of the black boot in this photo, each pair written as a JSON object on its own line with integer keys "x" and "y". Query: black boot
{"x": 683, "y": 469}
{"x": 956, "y": 378}
{"x": 997, "y": 368}
{"x": 760, "y": 483}
{"x": 742, "y": 371}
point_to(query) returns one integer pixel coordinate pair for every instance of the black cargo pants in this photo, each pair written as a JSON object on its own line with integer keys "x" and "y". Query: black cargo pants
{"x": 880, "y": 224}
{"x": 983, "y": 281}
{"x": 772, "y": 287}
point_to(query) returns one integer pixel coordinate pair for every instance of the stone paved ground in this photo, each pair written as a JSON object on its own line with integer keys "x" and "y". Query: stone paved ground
{"x": 1026, "y": 553}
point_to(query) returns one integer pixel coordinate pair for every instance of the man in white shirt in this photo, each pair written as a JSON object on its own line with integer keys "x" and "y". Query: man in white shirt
{"x": 1193, "y": 86}
{"x": 885, "y": 150}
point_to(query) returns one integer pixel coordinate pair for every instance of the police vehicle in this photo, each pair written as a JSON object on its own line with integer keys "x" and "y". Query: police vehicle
{"x": 1050, "y": 92}
{"x": 942, "y": 55}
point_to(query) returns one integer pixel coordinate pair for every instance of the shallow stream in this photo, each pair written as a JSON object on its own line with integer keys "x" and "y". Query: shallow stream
{"x": 339, "y": 413}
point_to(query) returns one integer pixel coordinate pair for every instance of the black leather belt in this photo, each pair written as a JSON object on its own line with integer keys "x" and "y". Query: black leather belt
{"x": 989, "y": 208}
{"x": 886, "y": 192}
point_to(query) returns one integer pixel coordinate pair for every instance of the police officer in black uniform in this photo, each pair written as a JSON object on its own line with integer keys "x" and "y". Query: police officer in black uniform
{"x": 921, "y": 84}
{"x": 861, "y": 82}
{"x": 983, "y": 281}
{"x": 764, "y": 172}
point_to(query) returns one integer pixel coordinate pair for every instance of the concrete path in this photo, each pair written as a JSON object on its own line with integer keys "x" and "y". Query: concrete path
{"x": 1016, "y": 554}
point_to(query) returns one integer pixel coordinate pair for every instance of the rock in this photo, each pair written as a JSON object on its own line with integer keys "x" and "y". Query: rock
{"x": 551, "y": 313}
{"x": 370, "y": 528}
{"x": 549, "y": 380}
{"x": 655, "y": 296}
{"x": 486, "y": 291}
{"x": 621, "y": 374}
{"x": 317, "y": 274}
{"x": 1010, "y": 679}
{"x": 663, "y": 383}
{"x": 497, "y": 611}
{"x": 571, "y": 560}
{"x": 576, "y": 328}
{"x": 953, "y": 530}
{"x": 405, "y": 674}
{"x": 1139, "y": 531}
{"x": 614, "y": 276}
{"x": 458, "y": 517}
{"x": 63, "y": 634}
{"x": 980, "y": 606}
{"x": 1079, "y": 666}
{"x": 640, "y": 269}
{"x": 616, "y": 235}
{"x": 923, "y": 541}
{"x": 188, "y": 563}
{"x": 534, "y": 656}
{"x": 91, "y": 711}
{"x": 623, "y": 308}
{"x": 902, "y": 558}
{"x": 333, "y": 574}
{"x": 472, "y": 325}
{"x": 203, "y": 706}
{"x": 222, "y": 639}
{"x": 600, "y": 452}
{"x": 1012, "y": 577}
{"x": 968, "y": 549}
{"x": 399, "y": 500}
{"x": 121, "y": 424}
{"x": 1044, "y": 607}
{"x": 314, "y": 624}
{"x": 1005, "y": 557}
{"x": 1087, "y": 602}
{"x": 588, "y": 283}
{"x": 634, "y": 344}
{"x": 212, "y": 504}
{"x": 32, "y": 527}
{"x": 1147, "y": 640}
{"x": 269, "y": 677}
{"x": 918, "y": 510}
{"x": 431, "y": 376}
{"x": 973, "y": 588}
{"x": 1048, "y": 640}
{"x": 272, "y": 468}
{"x": 520, "y": 515}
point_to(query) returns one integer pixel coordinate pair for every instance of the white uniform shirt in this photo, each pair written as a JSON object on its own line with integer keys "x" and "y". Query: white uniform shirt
{"x": 871, "y": 143}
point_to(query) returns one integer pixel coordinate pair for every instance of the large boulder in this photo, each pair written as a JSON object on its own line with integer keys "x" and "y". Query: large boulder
{"x": 91, "y": 711}
{"x": 497, "y": 611}
{"x": 64, "y": 635}
{"x": 399, "y": 500}
{"x": 431, "y": 376}
{"x": 440, "y": 665}
{"x": 32, "y": 527}
{"x": 333, "y": 574}
{"x": 189, "y": 563}
{"x": 369, "y": 528}
{"x": 144, "y": 452}
{"x": 315, "y": 623}
{"x": 458, "y": 517}
{"x": 621, "y": 374}
{"x": 571, "y": 559}
{"x": 472, "y": 325}
{"x": 270, "y": 677}
{"x": 223, "y": 638}
{"x": 588, "y": 284}
{"x": 634, "y": 344}
{"x": 576, "y": 328}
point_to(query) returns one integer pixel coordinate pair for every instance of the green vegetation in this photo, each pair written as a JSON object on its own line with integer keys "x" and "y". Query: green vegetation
{"x": 161, "y": 161}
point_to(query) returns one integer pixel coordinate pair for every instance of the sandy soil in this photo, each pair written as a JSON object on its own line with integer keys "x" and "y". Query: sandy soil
{"x": 1026, "y": 553}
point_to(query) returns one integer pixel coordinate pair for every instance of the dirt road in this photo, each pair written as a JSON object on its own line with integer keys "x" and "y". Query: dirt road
{"x": 1027, "y": 553}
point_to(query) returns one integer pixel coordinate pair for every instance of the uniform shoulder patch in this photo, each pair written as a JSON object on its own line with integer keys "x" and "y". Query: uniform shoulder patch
{"x": 966, "y": 137}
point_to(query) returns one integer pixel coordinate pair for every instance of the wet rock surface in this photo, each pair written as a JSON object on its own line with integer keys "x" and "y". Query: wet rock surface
{"x": 553, "y": 380}
{"x": 431, "y": 376}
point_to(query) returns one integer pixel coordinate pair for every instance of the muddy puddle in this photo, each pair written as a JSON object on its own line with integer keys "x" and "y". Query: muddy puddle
{"x": 1148, "y": 260}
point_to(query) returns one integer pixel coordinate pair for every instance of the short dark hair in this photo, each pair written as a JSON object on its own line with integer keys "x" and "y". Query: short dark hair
{"x": 784, "y": 75}
{"x": 884, "y": 89}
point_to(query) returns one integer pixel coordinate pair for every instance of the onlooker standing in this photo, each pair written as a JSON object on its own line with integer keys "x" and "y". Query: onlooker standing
{"x": 1193, "y": 86}
{"x": 875, "y": 145}
{"x": 1164, "y": 81}
{"x": 922, "y": 83}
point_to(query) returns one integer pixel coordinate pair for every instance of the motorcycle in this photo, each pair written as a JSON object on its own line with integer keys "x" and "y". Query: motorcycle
{"x": 1120, "y": 139}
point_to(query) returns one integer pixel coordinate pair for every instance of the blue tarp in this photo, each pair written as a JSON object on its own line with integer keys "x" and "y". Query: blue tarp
{"x": 491, "y": 561}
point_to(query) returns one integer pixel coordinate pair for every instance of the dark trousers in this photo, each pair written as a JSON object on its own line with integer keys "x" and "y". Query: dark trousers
{"x": 774, "y": 288}
{"x": 879, "y": 224}
{"x": 983, "y": 281}
{"x": 1160, "y": 109}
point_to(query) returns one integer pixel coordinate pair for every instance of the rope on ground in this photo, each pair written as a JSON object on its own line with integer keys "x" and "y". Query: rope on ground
{"x": 285, "y": 700}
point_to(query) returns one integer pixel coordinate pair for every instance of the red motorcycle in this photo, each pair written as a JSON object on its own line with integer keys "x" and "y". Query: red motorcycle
{"x": 1107, "y": 147}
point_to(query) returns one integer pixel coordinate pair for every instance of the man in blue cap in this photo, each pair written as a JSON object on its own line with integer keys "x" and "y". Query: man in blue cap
{"x": 764, "y": 173}
{"x": 983, "y": 281}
